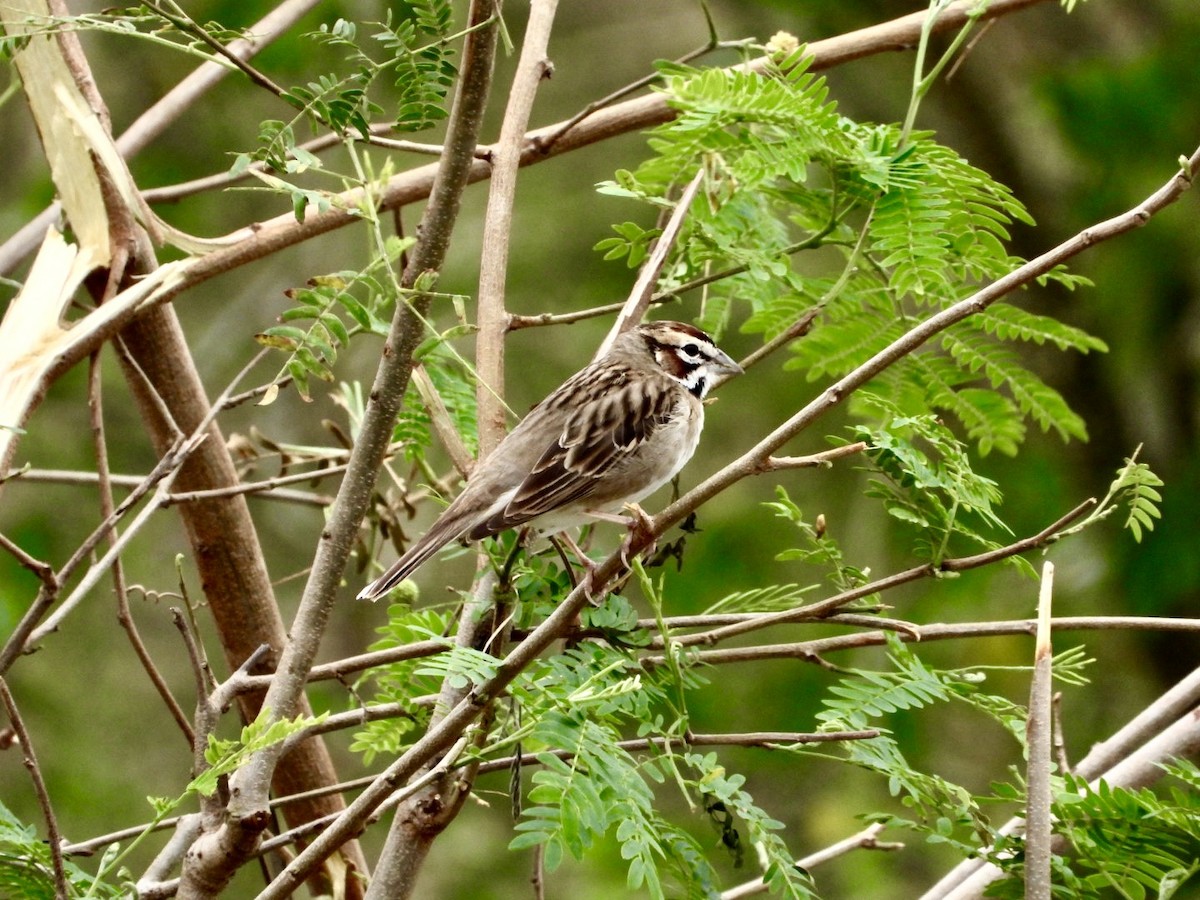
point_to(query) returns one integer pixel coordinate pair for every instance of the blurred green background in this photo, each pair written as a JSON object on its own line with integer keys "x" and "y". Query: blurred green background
{"x": 1083, "y": 115}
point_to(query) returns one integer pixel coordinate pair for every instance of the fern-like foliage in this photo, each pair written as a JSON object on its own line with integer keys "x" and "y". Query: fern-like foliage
{"x": 418, "y": 58}
{"x": 26, "y": 871}
{"x": 1127, "y": 843}
{"x": 818, "y": 548}
{"x": 601, "y": 789}
{"x": 335, "y": 307}
{"x": 455, "y": 387}
{"x": 574, "y": 708}
{"x": 923, "y": 475}
{"x": 868, "y": 699}
{"x": 1136, "y": 489}
{"x": 939, "y": 809}
{"x": 1138, "y": 486}
{"x": 731, "y": 809}
{"x": 421, "y": 63}
{"x": 574, "y": 704}
{"x": 912, "y": 225}
{"x": 402, "y": 682}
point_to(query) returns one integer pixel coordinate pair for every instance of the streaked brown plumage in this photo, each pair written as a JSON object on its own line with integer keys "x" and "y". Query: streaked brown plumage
{"x": 611, "y": 434}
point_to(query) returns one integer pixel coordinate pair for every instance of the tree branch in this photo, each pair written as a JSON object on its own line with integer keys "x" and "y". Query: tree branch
{"x": 1039, "y": 741}
{"x": 867, "y": 839}
{"x": 819, "y": 647}
{"x": 822, "y": 608}
{"x": 53, "y": 836}
{"x": 249, "y": 792}
{"x": 422, "y": 815}
{"x": 159, "y": 117}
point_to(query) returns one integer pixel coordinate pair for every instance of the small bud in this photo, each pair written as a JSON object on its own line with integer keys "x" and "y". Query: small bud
{"x": 781, "y": 44}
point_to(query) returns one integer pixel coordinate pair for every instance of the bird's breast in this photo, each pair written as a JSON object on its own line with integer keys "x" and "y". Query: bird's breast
{"x": 660, "y": 458}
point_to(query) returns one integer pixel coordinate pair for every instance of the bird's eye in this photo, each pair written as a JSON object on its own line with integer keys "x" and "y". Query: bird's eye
{"x": 691, "y": 349}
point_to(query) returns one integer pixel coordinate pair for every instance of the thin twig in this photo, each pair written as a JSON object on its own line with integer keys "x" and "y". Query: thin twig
{"x": 796, "y": 330}
{"x": 1060, "y": 744}
{"x": 538, "y": 878}
{"x": 824, "y": 458}
{"x": 545, "y": 143}
{"x": 162, "y": 410}
{"x": 202, "y": 677}
{"x": 187, "y": 25}
{"x": 640, "y": 296}
{"x": 356, "y": 718}
{"x": 443, "y": 426}
{"x": 1038, "y": 829}
{"x": 928, "y": 570}
{"x": 107, "y": 507}
{"x": 811, "y": 650}
{"x": 867, "y": 839}
{"x": 53, "y": 836}
{"x": 43, "y": 570}
{"x": 268, "y": 488}
{"x": 359, "y": 663}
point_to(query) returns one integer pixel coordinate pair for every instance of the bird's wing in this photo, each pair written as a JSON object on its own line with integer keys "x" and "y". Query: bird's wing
{"x": 603, "y": 431}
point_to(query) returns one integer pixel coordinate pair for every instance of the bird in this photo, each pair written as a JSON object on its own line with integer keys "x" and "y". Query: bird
{"x": 607, "y": 437}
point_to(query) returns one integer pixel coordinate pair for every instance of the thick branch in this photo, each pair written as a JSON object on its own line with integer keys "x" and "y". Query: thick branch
{"x": 249, "y": 798}
{"x": 423, "y": 815}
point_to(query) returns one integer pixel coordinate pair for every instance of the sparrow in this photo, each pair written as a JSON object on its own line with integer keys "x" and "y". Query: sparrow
{"x": 611, "y": 434}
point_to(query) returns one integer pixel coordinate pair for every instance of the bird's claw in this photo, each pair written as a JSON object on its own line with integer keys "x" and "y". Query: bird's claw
{"x": 641, "y": 538}
{"x": 588, "y": 581}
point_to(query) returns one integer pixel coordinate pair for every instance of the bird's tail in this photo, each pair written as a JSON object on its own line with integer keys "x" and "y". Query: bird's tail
{"x": 442, "y": 533}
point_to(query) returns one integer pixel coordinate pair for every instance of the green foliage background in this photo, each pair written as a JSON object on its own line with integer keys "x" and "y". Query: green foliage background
{"x": 1080, "y": 115}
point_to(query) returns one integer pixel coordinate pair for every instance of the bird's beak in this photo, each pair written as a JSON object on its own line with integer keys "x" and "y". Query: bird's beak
{"x": 726, "y": 366}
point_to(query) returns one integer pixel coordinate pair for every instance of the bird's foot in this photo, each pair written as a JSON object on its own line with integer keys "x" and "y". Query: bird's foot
{"x": 589, "y": 583}
{"x": 640, "y": 539}
{"x": 588, "y": 565}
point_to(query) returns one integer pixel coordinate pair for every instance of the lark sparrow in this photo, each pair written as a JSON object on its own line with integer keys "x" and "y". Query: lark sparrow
{"x": 608, "y": 436}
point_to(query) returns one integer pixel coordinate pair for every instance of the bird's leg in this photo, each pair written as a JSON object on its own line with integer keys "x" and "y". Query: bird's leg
{"x": 585, "y": 561}
{"x": 511, "y": 560}
{"x": 562, "y": 555}
{"x": 641, "y": 530}
{"x": 641, "y": 533}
